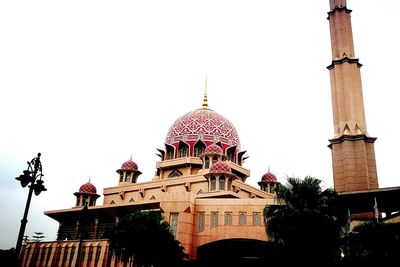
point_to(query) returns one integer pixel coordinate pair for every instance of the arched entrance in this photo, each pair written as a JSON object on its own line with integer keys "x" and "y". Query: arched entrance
{"x": 233, "y": 253}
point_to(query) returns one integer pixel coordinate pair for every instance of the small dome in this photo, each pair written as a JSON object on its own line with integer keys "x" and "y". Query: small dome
{"x": 129, "y": 165}
{"x": 220, "y": 167}
{"x": 269, "y": 178}
{"x": 213, "y": 149}
{"x": 88, "y": 188}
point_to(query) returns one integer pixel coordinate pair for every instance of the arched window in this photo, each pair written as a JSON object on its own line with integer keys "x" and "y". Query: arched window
{"x": 228, "y": 218}
{"x": 229, "y": 155}
{"x": 256, "y": 218}
{"x": 206, "y": 163}
{"x": 229, "y": 185}
{"x": 222, "y": 183}
{"x": 242, "y": 218}
{"x": 92, "y": 202}
{"x": 200, "y": 221}
{"x": 199, "y": 148}
{"x": 183, "y": 150}
{"x": 213, "y": 183}
{"x": 214, "y": 219}
{"x": 214, "y": 159}
{"x": 85, "y": 200}
{"x": 170, "y": 151}
{"x": 128, "y": 177}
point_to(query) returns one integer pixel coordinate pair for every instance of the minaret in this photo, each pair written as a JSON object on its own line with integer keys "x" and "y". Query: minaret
{"x": 353, "y": 156}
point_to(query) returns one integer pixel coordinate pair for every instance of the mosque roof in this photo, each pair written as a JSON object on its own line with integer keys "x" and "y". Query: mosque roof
{"x": 203, "y": 124}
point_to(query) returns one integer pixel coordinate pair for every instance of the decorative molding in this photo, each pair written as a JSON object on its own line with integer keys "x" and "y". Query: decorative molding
{"x": 338, "y": 9}
{"x": 344, "y": 59}
{"x": 346, "y": 137}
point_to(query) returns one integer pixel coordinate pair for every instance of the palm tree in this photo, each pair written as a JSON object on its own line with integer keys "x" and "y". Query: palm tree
{"x": 145, "y": 238}
{"x": 306, "y": 225}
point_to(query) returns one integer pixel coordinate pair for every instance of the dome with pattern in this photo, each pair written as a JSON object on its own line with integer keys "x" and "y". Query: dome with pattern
{"x": 129, "y": 165}
{"x": 203, "y": 124}
{"x": 213, "y": 149}
{"x": 269, "y": 177}
{"x": 220, "y": 167}
{"x": 88, "y": 188}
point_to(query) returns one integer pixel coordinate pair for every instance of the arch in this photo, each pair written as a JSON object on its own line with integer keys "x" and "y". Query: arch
{"x": 175, "y": 173}
{"x": 221, "y": 185}
{"x": 206, "y": 162}
{"x": 214, "y": 159}
{"x": 213, "y": 183}
{"x": 236, "y": 252}
{"x": 231, "y": 153}
{"x": 199, "y": 148}
{"x": 183, "y": 150}
{"x": 219, "y": 144}
{"x": 229, "y": 184}
{"x": 170, "y": 154}
{"x": 128, "y": 176}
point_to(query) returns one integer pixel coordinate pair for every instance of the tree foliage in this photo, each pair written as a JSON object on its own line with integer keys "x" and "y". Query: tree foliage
{"x": 372, "y": 244}
{"x": 145, "y": 238}
{"x": 307, "y": 225}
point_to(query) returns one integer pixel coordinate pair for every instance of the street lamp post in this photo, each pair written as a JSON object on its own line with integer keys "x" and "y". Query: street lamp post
{"x": 29, "y": 176}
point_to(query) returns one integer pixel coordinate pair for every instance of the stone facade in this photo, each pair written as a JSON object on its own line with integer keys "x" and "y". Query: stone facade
{"x": 353, "y": 156}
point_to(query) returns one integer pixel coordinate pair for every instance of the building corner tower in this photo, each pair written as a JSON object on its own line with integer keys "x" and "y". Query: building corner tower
{"x": 353, "y": 156}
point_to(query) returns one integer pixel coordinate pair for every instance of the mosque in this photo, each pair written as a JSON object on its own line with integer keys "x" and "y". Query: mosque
{"x": 200, "y": 183}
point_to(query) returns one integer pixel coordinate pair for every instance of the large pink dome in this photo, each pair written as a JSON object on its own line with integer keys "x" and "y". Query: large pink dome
{"x": 203, "y": 124}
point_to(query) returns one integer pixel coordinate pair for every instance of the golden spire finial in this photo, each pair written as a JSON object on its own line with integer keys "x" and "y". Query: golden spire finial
{"x": 205, "y": 104}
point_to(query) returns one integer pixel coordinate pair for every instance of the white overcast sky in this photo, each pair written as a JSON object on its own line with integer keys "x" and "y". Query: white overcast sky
{"x": 88, "y": 83}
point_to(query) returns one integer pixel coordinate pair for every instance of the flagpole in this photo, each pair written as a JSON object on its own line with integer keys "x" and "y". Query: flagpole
{"x": 376, "y": 210}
